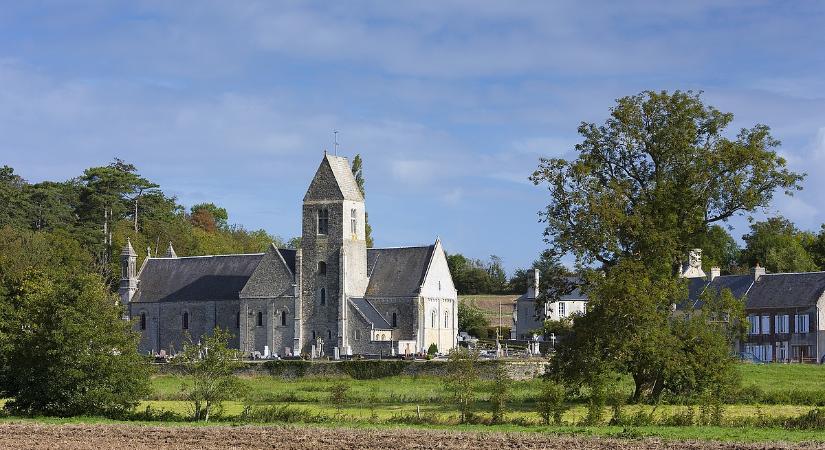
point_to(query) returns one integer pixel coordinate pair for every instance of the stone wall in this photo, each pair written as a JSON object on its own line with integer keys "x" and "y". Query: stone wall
{"x": 164, "y": 323}
{"x": 516, "y": 369}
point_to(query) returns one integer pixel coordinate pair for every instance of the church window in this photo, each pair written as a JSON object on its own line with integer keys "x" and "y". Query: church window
{"x": 313, "y": 335}
{"x": 283, "y": 318}
{"x": 238, "y": 320}
{"x": 323, "y": 296}
{"x": 446, "y": 319}
{"x": 260, "y": 319}
{"x": 322, "y": 268}
{"x": 394, "y": 320}
{"x": 353, "y": 222}
{"x": 433, "y": 320}
{"x": 329, "y": 334}
{"x": 323, "y": 221}
{"x": 185, "y": 321}
{"x": 439, "y": 285}
{"x": 142, "y": 321}
{"x": 357, "y": 334}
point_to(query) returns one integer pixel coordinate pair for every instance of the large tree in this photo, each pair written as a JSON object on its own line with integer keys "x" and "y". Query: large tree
{"x": 645, "y": 187}
{"x": 358, "y": 172}
{"x": 64, "y": 348}
{"x": 652, "y": 179}
{"x": 779, "y": 246}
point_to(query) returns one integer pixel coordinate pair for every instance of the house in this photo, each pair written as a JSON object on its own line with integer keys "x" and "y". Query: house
{"x": 529, "y": 319}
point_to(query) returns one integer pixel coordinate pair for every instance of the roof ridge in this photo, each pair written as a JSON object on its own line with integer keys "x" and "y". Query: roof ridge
{"x": 210, "y": 256}
{"x": 401, "y": 247}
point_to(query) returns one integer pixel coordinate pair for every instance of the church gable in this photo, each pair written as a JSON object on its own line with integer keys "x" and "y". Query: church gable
{"x": 333, "y": 181}
{"x": 273, "y": 277}
{"x": 438, "y": 282}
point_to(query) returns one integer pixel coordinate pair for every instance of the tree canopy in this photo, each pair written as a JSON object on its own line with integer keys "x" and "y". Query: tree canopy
{"x": 646, "y": 186}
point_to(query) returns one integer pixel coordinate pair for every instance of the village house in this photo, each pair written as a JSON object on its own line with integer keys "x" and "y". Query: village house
{"x": 529, "y": 320}
{"x": 333, "y": 296}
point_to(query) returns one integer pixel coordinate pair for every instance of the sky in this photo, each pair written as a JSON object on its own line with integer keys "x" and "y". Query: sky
{"x": 450, "y": 103}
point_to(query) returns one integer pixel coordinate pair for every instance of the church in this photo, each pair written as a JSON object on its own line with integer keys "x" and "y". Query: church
{"x": 333, "y": 296}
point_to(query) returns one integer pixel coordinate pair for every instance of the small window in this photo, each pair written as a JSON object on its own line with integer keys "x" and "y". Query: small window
{"x": 329, "y": 334}
{"x": 322, "y": 268}
{"x": 323, "y": 221}
{"x": 562, "y": 310}
{"x": 353, "y": 221}
{"x": 283, "y": 318}
{"x": 238, "y": 320}
{"x": 439, "y": 285}
{"x": 185, "y": 321}
{"x": 323, "y": 296}
{"x": 357, "y": 334}
{"x": 433, "y": 320}
{"x": 142, "y": 321}
{"x": 446, "y": 319}
{"x": 394, "y": 320}
{"x": 260, "y": 319}
{"x": 313, "y": 336}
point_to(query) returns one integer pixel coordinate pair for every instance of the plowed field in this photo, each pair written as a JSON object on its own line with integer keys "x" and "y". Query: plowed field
{"x": 100, "y": 437}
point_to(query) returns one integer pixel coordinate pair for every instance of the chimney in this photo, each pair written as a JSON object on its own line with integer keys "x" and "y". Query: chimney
{"x": 532, "y": 283}
{"x": 757, "y": 272}
{"x": 715, "y": 272}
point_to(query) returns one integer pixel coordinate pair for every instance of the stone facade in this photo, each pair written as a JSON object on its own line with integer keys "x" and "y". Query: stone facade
{"x": 333, "y": 293}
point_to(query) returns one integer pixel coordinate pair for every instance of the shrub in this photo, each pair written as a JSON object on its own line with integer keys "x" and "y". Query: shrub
{"x": 500, "y": 394}
{"x": 595, "y": 406}
{"x": 551, "y": 403}
{"x": 367, "y": 370}
{"x": 287, "y": 368}
{"x": 683, "y": 418}
{"x": 338, "y": 394}
{"x": 461, "y": 376}
{"x": 813, "y": 419}
{"x": 432, "y": 350}
{"x": 284, "y": 413}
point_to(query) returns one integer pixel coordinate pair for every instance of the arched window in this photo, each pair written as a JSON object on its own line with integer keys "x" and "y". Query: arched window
{"x": 446, "y": 319}
{"x": 329, "y": 334}
{"x": 394, "y": 320}
{"x": 283, "y": 318}
{"x": 143, "y": 321}
{"x": 323, "y": 221}
{"x": 353, "y": 221}
{"x": 260, "y": 319}
{"x": 313, "y": 336}
{"x": 323, "y": 296}
{"x": 322, "y": 268}
{"x": 433, "y": 320}
{"x": 185, "y": 321}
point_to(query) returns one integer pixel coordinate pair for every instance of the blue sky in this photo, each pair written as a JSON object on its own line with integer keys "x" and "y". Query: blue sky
{"x": 451, "y": 103}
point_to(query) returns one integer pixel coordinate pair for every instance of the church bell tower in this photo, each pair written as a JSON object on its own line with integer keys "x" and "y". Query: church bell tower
{"x": 334, "y": 255}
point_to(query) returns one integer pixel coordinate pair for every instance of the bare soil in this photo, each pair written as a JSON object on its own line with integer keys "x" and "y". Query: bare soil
{"x": 100, "y": 437}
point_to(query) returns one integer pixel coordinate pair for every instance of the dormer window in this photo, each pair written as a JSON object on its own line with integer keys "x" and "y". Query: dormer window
{"x": 323, "y": 221}
{"x": 353, "y": 221}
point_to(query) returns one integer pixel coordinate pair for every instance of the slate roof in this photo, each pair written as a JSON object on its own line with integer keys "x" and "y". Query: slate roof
{"x": 397, "y": 272}
{"x": 343, "y": 175}
{"x": 369, "y": 312}
{"x": 784, "y": 290}
{"x": 738, "y": 285}
{"x": 195, "y": 278}
{"x": 289, "y": 257}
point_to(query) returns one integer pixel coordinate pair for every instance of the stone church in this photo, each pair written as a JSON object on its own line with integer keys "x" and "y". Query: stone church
{"x": 333, "y": 295}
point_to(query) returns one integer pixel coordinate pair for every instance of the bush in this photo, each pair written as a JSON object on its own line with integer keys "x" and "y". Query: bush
{"x": 811, "y": 420}
{"x": 595, "y": 406}
{"x": 338, "y": 394}
{"x": 287, "y": 368}
{"x": 368, "y": 370}
{"x": 432, "y": 350}
{"x": 500, "y": 394}
{"x": 683, "y": 418}
{"x": 551, "y": 403}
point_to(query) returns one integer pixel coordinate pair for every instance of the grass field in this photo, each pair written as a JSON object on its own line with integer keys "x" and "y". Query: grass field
{"x": 399, "y": 400}
{"x": 488, "y": 304}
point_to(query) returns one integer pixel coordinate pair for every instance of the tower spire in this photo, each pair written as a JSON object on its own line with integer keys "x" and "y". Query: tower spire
{"x": 170, "y": 252}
